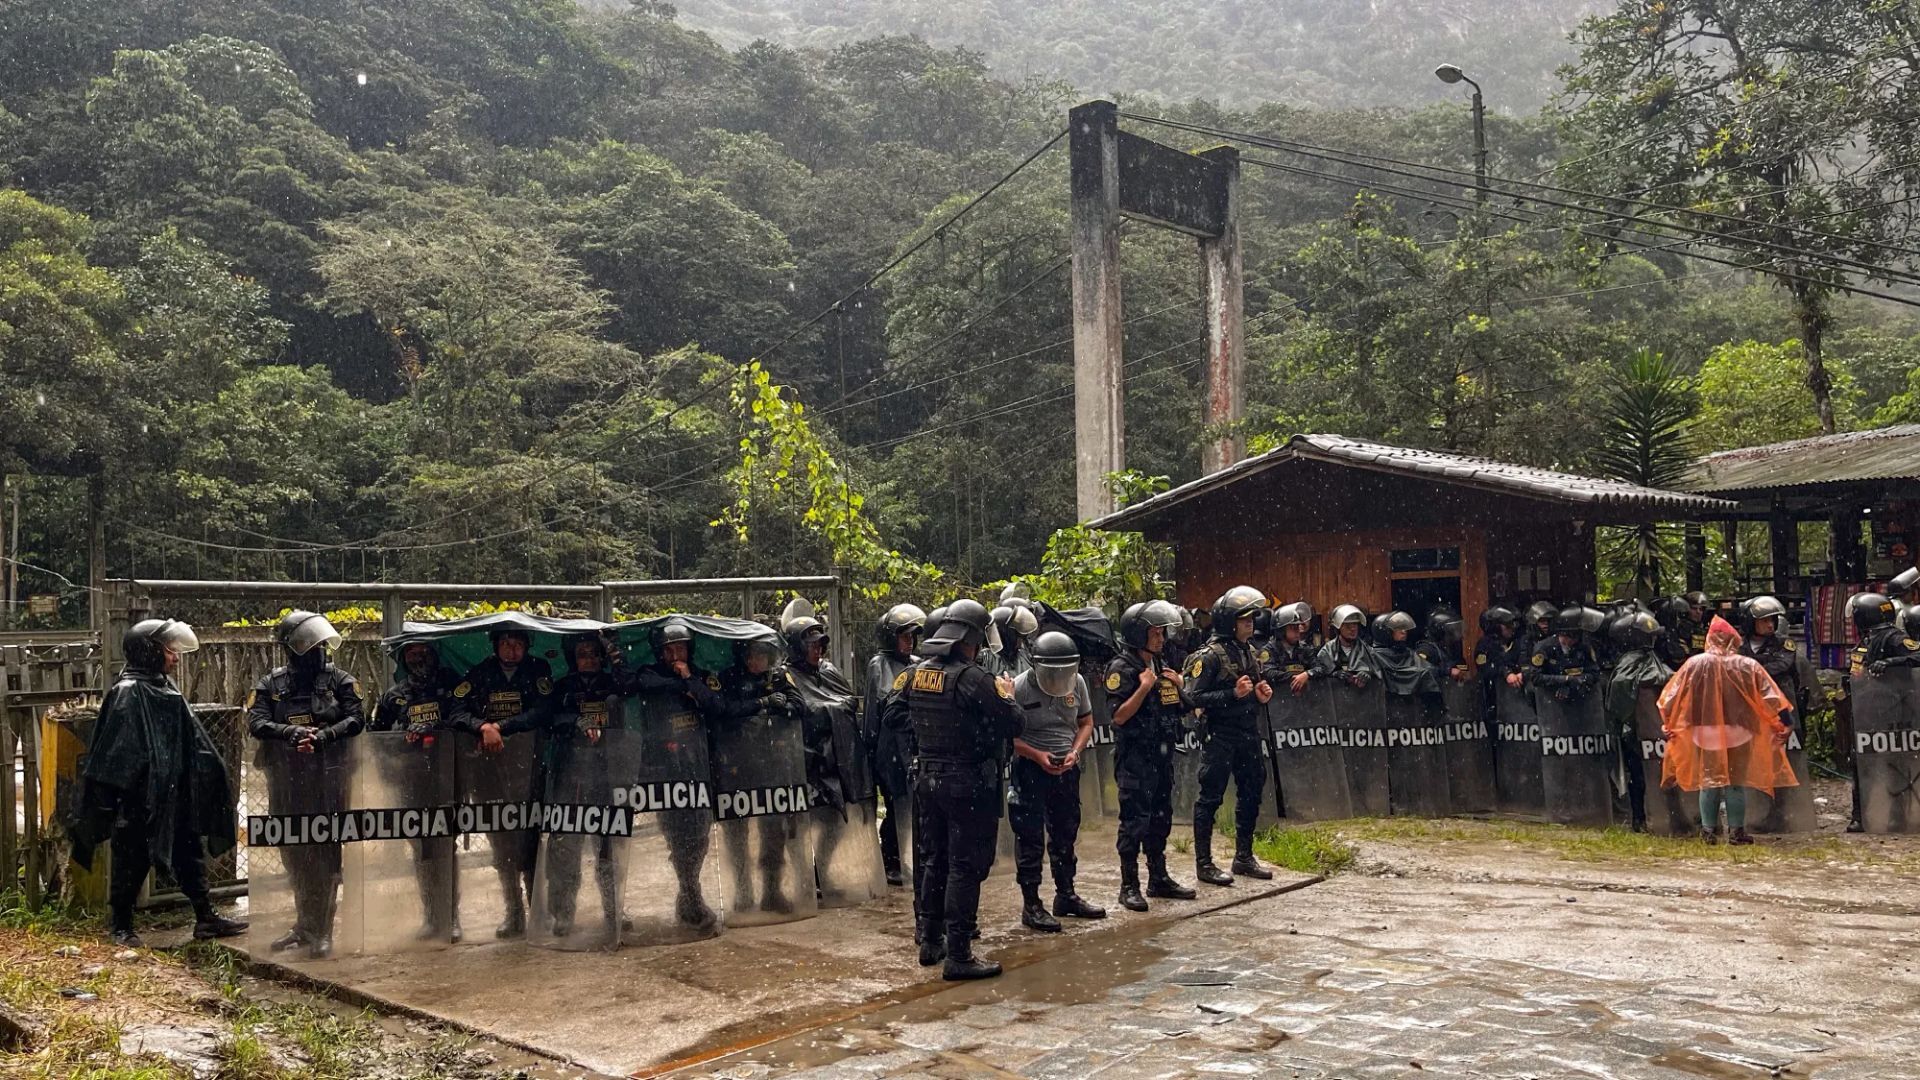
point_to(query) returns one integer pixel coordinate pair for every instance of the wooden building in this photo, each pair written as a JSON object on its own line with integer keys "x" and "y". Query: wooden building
{"x": 1334, "y": 520}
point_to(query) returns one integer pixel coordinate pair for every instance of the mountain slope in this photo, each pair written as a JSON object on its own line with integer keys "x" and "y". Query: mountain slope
{"x": 1303, "y": 52}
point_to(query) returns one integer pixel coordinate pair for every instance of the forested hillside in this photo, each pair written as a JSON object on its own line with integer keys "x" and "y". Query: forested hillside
{"x": 505, "y": 290}
{"x": 1333, "y": 54}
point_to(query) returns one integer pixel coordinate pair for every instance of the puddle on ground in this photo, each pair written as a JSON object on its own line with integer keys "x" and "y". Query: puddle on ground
{"x": 1699, "y": 1064}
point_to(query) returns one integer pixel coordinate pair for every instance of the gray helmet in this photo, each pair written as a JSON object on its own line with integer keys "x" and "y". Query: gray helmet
{"x": 963, "y": 622}
{"x": 1385, "y": 626}
{"x": 1497, "y": 616}
{"x": 146, "y": 642}
{"x": 1017, "y": 621}
{"x": 1056, "y": 663}
{"x": 1235, "y": 604}
{"x": 1904, "y": 581}
{"x": 1016, "y": 594}
{"x": 1540, "y": 611}
{"x": 1910, "y": 620}
{"x": 899, "y": 619}
{"x": 1344, "y": 615}
{"x": 1299, "y": 613}
{"x": 1571, "y": 620}
{"x": 1697, "y": 599}
{"x": 1764, "y": 607}
{"x": 669, "y": 632}
{"x": 300, "y": 632}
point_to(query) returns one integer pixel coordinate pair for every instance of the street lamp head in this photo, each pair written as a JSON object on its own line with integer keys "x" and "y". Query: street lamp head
{"x": 1449, "y": 73}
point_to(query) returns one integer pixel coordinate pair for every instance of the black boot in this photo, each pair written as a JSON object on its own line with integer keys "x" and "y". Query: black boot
{"x": 894, "y": 876}
{"x": 1160, "y": 884}
{"x": 1033, "y": 913}
{"x": 1203, "y": 867}
{"x": 126, "y": 939}
{"x": 515, "y": 924}
{"x": 960, "y": 960}
{"x": 287, "y": 940}
{"x": 1067, "y": 904}
{"x": 933, "y": 944}
{"x": 211, "y": 925}
{"x": 1130, "y": 897}
{"x": 1245, "y": 865}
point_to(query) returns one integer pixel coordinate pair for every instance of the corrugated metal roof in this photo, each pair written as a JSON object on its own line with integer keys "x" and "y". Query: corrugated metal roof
{"x": 1459, "y": 469}
{"x": 1891, "y": 453}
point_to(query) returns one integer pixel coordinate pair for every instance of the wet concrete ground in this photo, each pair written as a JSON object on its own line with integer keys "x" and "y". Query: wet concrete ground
{"x": 642, "y": 1009}
{"x": 1457, "y": 960}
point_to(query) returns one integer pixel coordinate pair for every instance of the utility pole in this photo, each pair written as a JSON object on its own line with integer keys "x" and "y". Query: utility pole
{"x": 1099, "y": 416}
{"x": 1226, "y": 337}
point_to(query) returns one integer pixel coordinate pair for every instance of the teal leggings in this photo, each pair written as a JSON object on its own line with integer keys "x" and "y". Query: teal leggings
{"x": 1736, "y": 800}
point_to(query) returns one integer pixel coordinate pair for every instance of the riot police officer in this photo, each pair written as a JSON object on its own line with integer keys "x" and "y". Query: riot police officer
{"x": 1289, "y": 657}
{"x": 1012, "y": 626}
{"x": 838, "y": 770}
{"x": 1346, "y": 655}
{"x": 1441, "y": 645}
{"x": 1044, "y": 803}
{"x": 898, "y": 632}
{"x": 1567, "y": 667}
{"x": 1498, "y": 655}
{"x": 1539, "y": 624}
{"x": 1791, "y": 671}
{"x": 502, "y": 697}
{"x": 1884, "y": 642}
{"x": 153, "y": 786}
{"x": 960, "y": 717}
{"x": 584, "y": 705}
{"x": 1637, "y": 665}
{"x": 1225, "y": 681}
{"x": 297, "y": 712}
{"x": 421, "y": 705}
{"x": 672, "y": 697}
{"x": 753, "y": 701}
{"x": 1144, "y": 698}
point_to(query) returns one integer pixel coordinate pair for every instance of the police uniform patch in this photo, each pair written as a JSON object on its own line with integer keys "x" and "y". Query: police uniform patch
{"x": 713, "y": 683}
{"x": 1194, "y": 666}
{"x": 1114, "y": 680}
{"x": 545, "y": 685}
{"x": 252, "y": 696}
{"x": 1910, "y": 644}
{"x": 1263, "y": 657}
{"x": 1539, "y": 659}
{"x": 463, "y": 689}
{"x": 930, "y": 680}
{"x": 900, "y": 681}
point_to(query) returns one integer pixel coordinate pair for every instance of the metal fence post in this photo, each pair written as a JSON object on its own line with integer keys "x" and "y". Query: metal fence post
{"x": 839, "y": 617}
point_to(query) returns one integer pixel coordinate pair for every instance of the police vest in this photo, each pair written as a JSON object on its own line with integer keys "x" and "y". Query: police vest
{"x": 1159, "y": 712}
{"x": 946, "y": 736}
{"x": 297, "y": 706}
{"x": 407, "y": 706}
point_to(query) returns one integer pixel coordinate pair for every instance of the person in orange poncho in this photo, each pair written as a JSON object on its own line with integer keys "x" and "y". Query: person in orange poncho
{"x": 1727, "y": 726}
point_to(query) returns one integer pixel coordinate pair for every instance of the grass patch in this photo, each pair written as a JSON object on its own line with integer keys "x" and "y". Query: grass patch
{"x": 1597, "y": 845}
{"x": 1306, "y": 849}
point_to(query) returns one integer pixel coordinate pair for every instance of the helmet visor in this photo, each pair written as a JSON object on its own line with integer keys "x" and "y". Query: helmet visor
{"x": 1055, "y": 680}
{"x": 178, "y": 636}
{"x": 316, "y": 631}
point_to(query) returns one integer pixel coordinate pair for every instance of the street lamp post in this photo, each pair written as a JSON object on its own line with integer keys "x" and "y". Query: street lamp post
{"x": 1450, "y": 74}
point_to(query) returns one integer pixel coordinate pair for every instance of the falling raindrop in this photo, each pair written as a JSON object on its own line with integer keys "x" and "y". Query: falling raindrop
{"x": 39, "y": 398}
{"x": 361, "y": 78}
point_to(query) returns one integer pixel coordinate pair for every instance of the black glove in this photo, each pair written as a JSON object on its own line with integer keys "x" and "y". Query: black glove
{"x": 1877, "y": 668}
{"x": 315, "y": 737}
{"x": 776, "y": 702}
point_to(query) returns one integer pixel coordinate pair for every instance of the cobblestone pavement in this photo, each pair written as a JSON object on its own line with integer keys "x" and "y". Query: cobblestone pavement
{"x": 1446, "y": 972}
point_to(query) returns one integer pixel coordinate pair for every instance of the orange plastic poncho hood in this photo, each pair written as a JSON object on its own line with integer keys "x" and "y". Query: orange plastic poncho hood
{"x": 1721, "y": 712}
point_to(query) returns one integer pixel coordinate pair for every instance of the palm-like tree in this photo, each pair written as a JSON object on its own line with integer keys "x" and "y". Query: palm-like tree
{"x": 1646, "y": 441}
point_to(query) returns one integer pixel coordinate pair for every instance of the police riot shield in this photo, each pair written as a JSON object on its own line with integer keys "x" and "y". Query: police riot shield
{"x": 1186, "y": 770}
{"x": 1004, "y": 844}
{"x": 1469, "y": 742}
{"x": 760, "y": 798}
{"x": 1362, "y": 715}
{"x": 1417, "y": 783}
{"x": 397, "y": 880}
{"x": 1577, "y": 758}
{"x": 672, "y": 892}
{"x": 1886, "y": 749}
{"x": 1308, "y": 760}
{"x": 498, "y": 808}
{"x": 1670, "y": 811}
{"x": 1099, "y": 782}
{"x": 1516, "y": 752}
{"x": 586, "y": 828}
{"x": 846, "y": 823}
{"x": 1787, "y": 809}
{"x": 294, "y": 849}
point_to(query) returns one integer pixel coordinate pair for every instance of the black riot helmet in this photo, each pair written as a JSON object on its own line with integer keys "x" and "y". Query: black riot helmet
{"x": 427, "y": 666}
{"x": 146, "y": 642}
{"x": 1870, "y": 611}
{"x": 1904, "y": 582}
{"x": 1444, "y": 625}
{"x": 1393, "y": 622}
{"x": 763, "y": 647}
{"x": 1541, "y": 611}
{"x": 1634, "y": 630}
{"x": 301, "y": 632}
{"x": 1670, "y": 610}
{"x": 1910, "y": 621}
{"x": 1138, "y": 620}
{"x": 935, "y": 618}
{"x": 801, "y": 633}
{"x": 1015, "y": 624}
{"x": 1056, "y": 663}
{"x": 1235, "y": 604}
{"x": 963, "y": 622}
{"x": 668, "y": 633}
{"x": 1764, "y": 607}
{"x": 1189, "y": 629}
{"x": 1571, "y": 620}
{"x": 1495, "y": 617}
{"x": 1263, "y": 623}
{"x": 573, "y": 643}
{"x": 899, "y": 619}
{"x": 1697, "y": 599}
